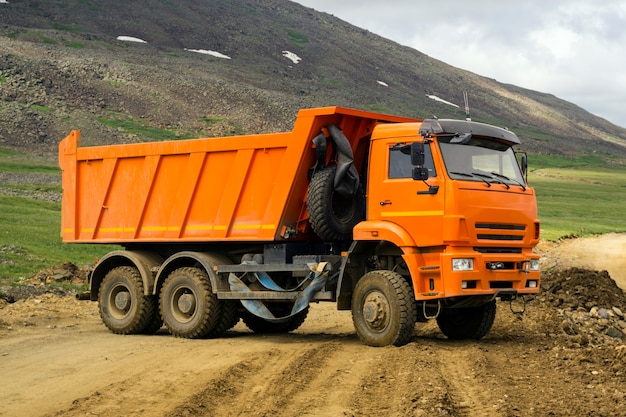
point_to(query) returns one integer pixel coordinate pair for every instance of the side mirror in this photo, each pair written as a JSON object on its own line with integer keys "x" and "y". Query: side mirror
{"x": 417, "y": 154}
{"x": 420, "y": 173}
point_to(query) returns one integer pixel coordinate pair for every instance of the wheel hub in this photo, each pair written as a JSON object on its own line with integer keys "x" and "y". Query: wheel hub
{"x": 122, "y": 300}
{"x": 376, "y": 310}
{"x": 187, "y": 303}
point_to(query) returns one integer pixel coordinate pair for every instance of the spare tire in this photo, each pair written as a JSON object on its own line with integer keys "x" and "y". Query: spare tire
{"x": 331, "y": 214}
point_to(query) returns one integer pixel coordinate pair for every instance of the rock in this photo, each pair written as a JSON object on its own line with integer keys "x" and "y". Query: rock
{"x": 618, "y": 312}
{"x": 569, "y": 327}
{"x": 615, "y": 333}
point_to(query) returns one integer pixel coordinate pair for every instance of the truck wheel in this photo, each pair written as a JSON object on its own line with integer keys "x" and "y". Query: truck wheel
{"x": 124, "y": 308}
{"x": 229, "y": 317}
{"x": 467, "y": 323}
{"x": 384, "y": 310}
{"x": 331, "y": 214}
{"x": 259, "y": 325}
{"x": 188, "y": 306}
{"x": 156, "y": 322}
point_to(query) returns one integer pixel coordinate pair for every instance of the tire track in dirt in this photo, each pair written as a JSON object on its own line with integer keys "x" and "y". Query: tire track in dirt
{"x": 314, "y": 380}
{"x": 429, "y": 377}
{"x": 463, "y": 373}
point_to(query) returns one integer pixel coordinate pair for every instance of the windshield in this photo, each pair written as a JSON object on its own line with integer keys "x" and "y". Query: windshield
{"x": 482, "y": 160}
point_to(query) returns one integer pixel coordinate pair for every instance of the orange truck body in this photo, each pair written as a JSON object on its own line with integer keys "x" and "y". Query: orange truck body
{"x": 459, "y": 239}
{"x": 239, "y": 188}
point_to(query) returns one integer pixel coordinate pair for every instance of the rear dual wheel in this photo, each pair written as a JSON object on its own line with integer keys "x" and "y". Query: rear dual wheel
{"x": 189, "y": 307}
{"x": 123, "y": 306}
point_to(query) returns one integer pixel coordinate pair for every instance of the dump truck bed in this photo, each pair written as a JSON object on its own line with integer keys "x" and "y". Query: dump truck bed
{"x": 239, "y": 188}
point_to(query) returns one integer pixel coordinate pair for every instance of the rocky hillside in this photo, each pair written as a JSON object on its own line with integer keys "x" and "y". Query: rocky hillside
{"x": 221, "y": 67}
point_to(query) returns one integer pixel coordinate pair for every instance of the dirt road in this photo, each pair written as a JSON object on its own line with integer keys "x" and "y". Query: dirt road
{"x": 58, "y": 359}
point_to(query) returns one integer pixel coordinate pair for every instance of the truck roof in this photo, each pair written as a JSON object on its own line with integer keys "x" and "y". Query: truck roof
{"x": 448, "y": 126}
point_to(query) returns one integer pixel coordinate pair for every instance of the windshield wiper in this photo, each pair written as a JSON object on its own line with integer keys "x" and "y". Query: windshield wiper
{"x": 509, "y": 179}
{"x": 472, "y": 175}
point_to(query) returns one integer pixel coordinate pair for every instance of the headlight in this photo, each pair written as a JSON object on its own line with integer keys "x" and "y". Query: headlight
{"x": 534, "y": 264}
{"x": 462, "y": 264}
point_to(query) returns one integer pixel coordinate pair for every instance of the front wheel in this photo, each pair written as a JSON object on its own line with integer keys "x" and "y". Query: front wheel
{"x": 467, "y": 323}
{"x": 383, "y": 309}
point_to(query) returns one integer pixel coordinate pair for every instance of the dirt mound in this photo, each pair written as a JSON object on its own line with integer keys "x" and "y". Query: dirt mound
{"x": 60, "y": 280}
{"x": 67, "y": 273}
{"x": 583, "y": 308}
{"x": 579, "y": 287}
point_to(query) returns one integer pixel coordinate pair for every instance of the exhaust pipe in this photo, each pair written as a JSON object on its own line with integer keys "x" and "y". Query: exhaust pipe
{"x": 85, "y": 295}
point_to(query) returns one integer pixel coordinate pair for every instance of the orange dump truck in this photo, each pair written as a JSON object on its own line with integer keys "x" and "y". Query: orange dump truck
{"x": 396, "y": 219}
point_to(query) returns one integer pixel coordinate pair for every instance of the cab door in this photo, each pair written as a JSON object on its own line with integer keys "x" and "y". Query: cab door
{"x": 394, "y": 196}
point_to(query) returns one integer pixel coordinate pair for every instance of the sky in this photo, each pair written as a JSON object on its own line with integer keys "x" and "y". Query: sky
{"x": 573, "y": 49}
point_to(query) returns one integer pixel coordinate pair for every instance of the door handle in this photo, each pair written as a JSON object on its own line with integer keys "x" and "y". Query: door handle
{"x": 386, "y": 202}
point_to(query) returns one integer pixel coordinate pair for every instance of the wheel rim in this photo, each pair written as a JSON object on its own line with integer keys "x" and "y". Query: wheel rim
{"x": 376, "y": 311}
{"x": 183, "y": 304}
{"x": 120, "y": 302}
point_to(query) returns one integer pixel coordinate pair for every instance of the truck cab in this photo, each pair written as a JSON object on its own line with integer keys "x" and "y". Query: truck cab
{"x": 467, "y": 225}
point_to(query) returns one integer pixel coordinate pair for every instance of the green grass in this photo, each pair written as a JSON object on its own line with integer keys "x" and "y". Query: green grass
{"x": 25, "y": 166}
{"x": 73, "y": 44}
{"x": 143, "y": 130}
{"x": 68, "y": 28}
{"x": 297, "y": 39}
{"x": 42, "y": 109}
{"x": 16, "y": 162}
{"x": 47, "y": 40}
{"x": 580, "y": 201}
{"x": 30, "y": 241}
{"x": 551, "y": 161}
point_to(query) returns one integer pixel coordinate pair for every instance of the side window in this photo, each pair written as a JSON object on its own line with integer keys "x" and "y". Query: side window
{"x": 400, "y": 161}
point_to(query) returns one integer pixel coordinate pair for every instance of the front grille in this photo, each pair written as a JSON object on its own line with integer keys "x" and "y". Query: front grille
{"x": 499, "y": 237}
{"x": 483, "y": 249}
{"x": 497, "y": 231}
{"x": 500, "y": 226}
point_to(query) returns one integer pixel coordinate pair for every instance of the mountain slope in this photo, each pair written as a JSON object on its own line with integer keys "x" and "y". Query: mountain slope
{"x": 62, "y": 68}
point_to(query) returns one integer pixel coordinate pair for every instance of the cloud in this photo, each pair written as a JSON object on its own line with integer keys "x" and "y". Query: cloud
{"x": 572, "y": 49}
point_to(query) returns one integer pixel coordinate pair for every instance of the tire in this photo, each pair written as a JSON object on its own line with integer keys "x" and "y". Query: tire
{"x": 156, "y": 322}
{"x": 188, "y": 306}
{"x": 259, "y": 325}
{"x": 467, "y": 323}
{"x": 384, "y": 311}
{"x": 333, "y": 216}
{"x": 123, "y": 307}
{"x": 229, "y": 317}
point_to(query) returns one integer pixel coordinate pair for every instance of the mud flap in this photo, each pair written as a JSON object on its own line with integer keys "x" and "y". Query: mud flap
{"x": 317, "y": 278}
